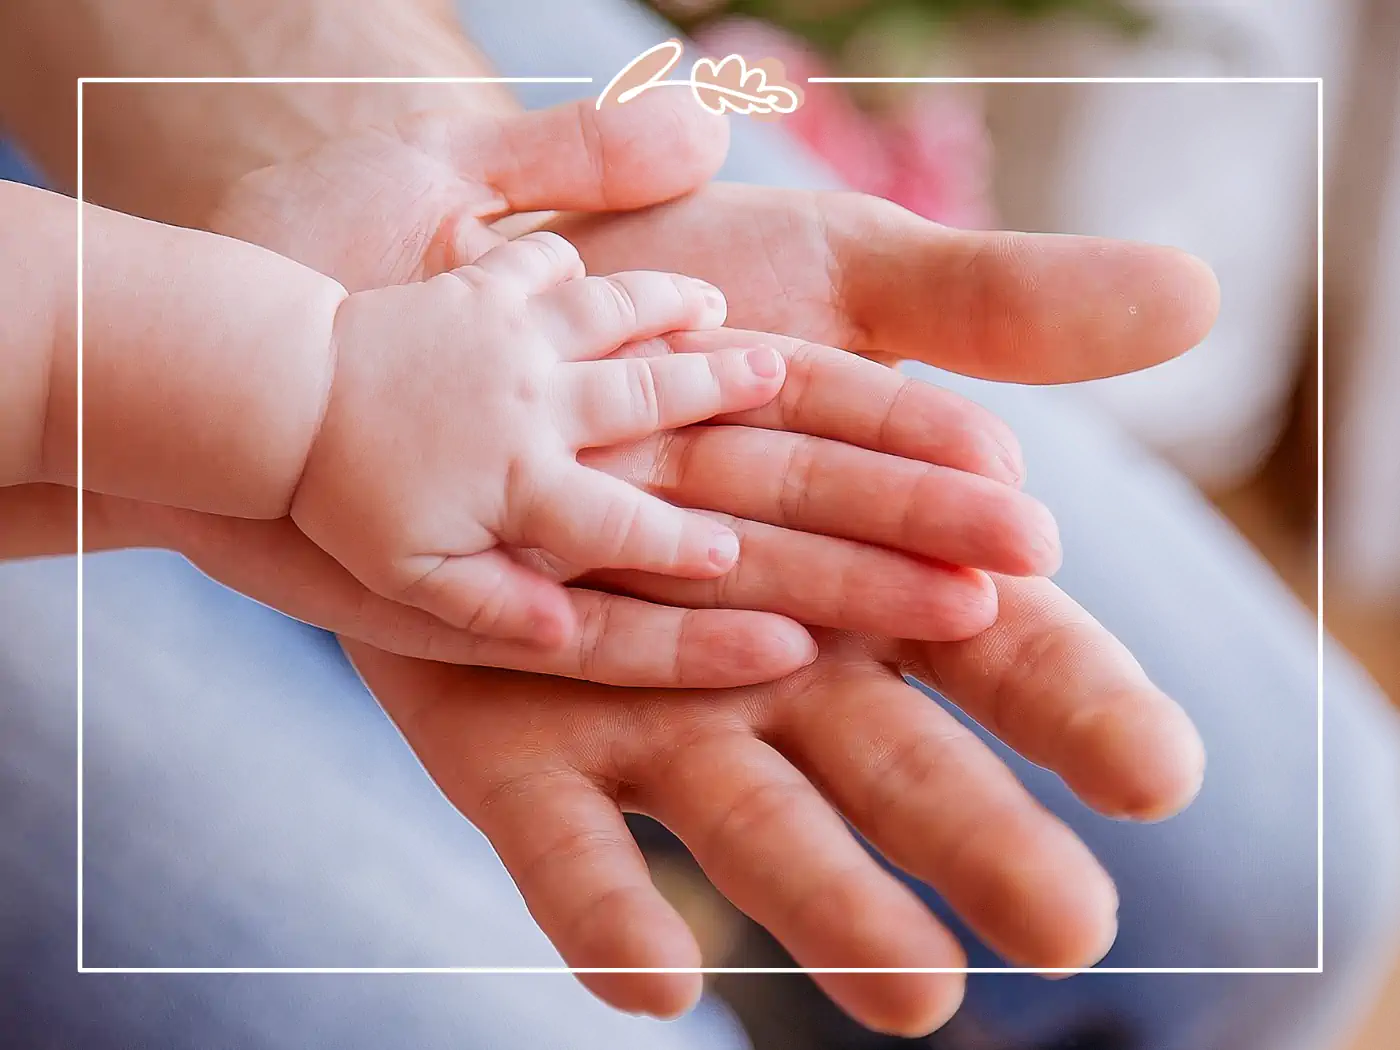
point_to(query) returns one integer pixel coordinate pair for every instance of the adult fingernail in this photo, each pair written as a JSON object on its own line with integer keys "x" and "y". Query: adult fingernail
{"x": 765, "y": 363}
{"x": 724, "y": 550}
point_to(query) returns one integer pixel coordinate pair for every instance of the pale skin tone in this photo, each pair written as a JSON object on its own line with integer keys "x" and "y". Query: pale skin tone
{"x": 427, "y": 436}
{"x": 834, "y": 269}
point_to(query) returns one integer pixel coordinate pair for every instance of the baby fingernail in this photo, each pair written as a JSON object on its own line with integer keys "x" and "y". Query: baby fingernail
{"x": 547, "y": 631}
{"x": 712, "y": 296}
{"x": 766, "y": 364}
{"x": 724, "y": 550}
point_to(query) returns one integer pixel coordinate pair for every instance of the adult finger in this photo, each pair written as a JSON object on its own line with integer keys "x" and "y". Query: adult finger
{"x": 815, "y": 485}
{"x": 829, "y": 582}
{"x": 1055, "y": 685}
{"x": 935, "y": 800}
{"x": 624, "y": 399}
{"x": 851, "y": 270}
{"x": 562, "y": 839}
{"x": 621, "y": 641}
{"x": 1019, "y": 307}
{"x": 772, "y": 845}
{"x": 839, "y": 395}
{"x": 627, "y": 642}
{"x": 575, "y": 157}
{"x": 575, "y": 862}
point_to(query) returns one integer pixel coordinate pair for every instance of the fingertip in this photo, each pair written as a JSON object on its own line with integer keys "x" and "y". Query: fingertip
{"x": 766, "y": 364}
{"x": 652, "y": 935}
{"x": 906, "y": 1006}
{"x": 664, "y": 996}
{"x": 1167, "y": 771}
{"x": 1006, "y": 462}
{"x": 714, "y": 308}
{"x": 802, "y": 647}
{"x": 1032, "y": 539}
{"x": 723, "y": 552}
{"x": 969, "y": 606}
{"x": 938, "y": 603}
{"x": 659, "y": 146}
{"x": 782, "y": 647}
{"x": 1171, "y": 299}
{"x": 1081, "y": 924}
{"x": 1198, "y": 295}
{"x": 552, "y": 625}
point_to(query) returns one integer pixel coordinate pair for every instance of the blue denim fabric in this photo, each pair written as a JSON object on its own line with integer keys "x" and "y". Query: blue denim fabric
{"x": 13, "y": 167}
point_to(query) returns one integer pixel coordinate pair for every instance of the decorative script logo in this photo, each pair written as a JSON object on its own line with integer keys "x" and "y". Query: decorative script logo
{"x": 729, "y": 85}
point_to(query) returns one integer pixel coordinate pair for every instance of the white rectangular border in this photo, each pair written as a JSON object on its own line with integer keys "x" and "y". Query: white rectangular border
{"x": 1321, "y": 633}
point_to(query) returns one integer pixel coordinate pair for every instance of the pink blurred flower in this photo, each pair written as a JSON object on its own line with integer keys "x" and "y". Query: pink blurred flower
{"x": 932, "y": 155}
{"x": 941, "y": 159}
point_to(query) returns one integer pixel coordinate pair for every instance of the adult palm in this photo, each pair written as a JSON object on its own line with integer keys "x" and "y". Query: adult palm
{"x": 757, "y": 780}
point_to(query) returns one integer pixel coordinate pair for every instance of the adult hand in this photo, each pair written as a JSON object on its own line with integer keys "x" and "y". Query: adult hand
{"x": 756, "y": 783}
{"x": 545, "y": 766}
{"x": 625, "y": 641}
{"x": 411, "y": 199}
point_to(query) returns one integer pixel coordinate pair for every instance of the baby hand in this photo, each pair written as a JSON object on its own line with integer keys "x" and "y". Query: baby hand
{"x": 456, "y": 412}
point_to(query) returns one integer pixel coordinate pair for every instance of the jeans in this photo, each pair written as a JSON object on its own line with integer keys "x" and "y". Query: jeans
{"x": 248, "y": 805}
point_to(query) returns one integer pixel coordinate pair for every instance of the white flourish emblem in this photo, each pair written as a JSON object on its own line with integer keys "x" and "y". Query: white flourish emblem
{"x": 729, "y": 85}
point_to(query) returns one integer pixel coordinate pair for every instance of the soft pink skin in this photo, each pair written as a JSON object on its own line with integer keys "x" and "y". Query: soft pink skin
{"x": 456, "y": 412}
{"x": 846, "y": 271}
{"x": 847, "y": 730}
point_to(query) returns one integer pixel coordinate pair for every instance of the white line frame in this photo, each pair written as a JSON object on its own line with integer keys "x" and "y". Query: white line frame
{"x": 555, "y": 970}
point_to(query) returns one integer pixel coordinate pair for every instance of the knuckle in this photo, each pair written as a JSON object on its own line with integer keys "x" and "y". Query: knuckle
{"x": 914, "y": 497}
{"x": 674, "y": 465}
{"x": 614, "y": 300}
{"x": 554, "y": 253}
{"x": 894, "y": 410}
{"x": 687, "y": 640}
{"x": 554, "y": 246}
{"x": 759, "y": 806}
{"x": 1043, "y": 661}
{"x": 795, "y": 482}
{"x": 715, "y": 377}
{"x": 842, "y": 893}
{"x": 910, "y": 769}
{"x": 522, "y": 491}
{"x": 573, "y": 848}
{"x": 408, "y": 586}
{"x": 593, "y": 633}
{"x": 802, "y": 368}
{"x": 644, "y": 393}
{"x": 490, "y": 607}
{"x": 510, "y": 790}
{"x": 620, "y": 530}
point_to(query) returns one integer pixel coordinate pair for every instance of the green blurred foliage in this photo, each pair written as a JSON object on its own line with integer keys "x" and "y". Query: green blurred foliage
{"x": 829, "y": 24}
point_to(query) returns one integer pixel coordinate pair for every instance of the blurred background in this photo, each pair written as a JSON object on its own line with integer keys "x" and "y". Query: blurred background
{"x": 1239, "y": 416}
